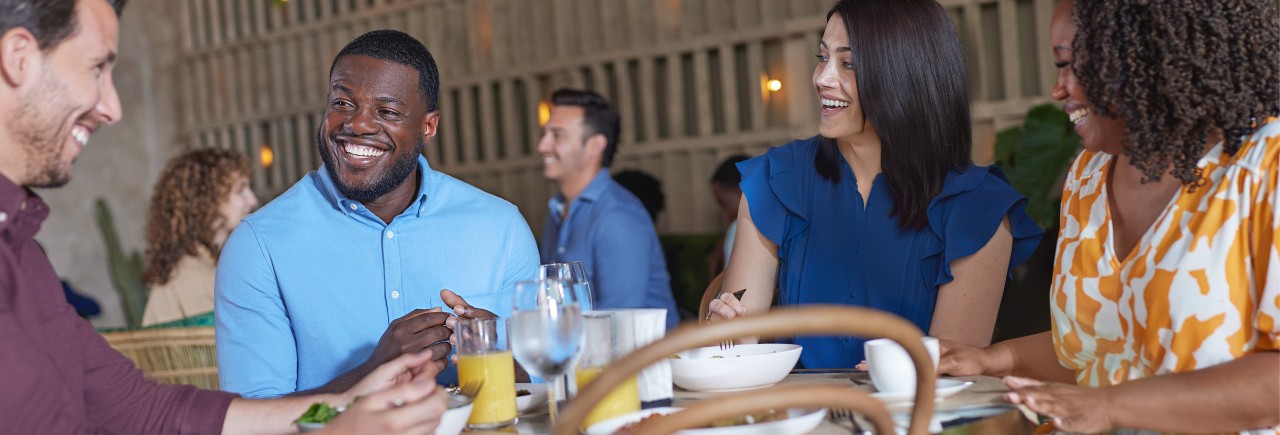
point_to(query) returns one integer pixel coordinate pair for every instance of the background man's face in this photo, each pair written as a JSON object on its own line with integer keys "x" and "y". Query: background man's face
{"x": 563, "y": 145}
{"x": 72, "y": 95}
{"x": 373, "y": 130}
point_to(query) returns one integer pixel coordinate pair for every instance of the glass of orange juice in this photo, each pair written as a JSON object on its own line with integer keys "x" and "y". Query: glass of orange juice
{"x": 606, "y": 338}
{"x": 484, "y": 356}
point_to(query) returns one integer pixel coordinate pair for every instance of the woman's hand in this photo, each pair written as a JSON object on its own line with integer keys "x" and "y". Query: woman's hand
{"x": 402, "y": 370}
{"x": 725, "y": 307}
{"x": 958, "y": 359}
{"x": 409, "y": 408}
{"x": 1073, "y": 408}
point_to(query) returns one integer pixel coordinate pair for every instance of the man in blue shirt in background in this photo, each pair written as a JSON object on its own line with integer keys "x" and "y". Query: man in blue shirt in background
{"x": 593, "y": 219}
{"x": 364, "y": 246}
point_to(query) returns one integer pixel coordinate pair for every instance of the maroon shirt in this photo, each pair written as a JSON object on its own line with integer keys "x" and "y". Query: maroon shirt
{"x": 57, "y": 375}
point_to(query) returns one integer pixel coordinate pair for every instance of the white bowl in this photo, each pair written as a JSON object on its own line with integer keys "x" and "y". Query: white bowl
{"x": 799, "y": 421}
{"x": 454, "y": 420}
{"x": 536, "y": 398}
{"x": 742, "y": 367}
{"x": 310, "y": 427}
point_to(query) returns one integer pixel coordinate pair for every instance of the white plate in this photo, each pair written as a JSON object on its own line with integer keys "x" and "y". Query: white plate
{"x": 943, "y": 388}
{"x": 800, "y": 421}
{"x": 742, "y": 367}
{"x": 536, "y": 398}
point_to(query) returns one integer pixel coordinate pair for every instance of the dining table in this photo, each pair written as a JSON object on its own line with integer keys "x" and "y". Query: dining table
{"x": 979, "y": 408}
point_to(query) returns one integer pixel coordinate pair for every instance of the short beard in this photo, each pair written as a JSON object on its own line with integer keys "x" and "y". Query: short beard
{"x": 37, "y": 129}
{"x": 401, "y": 168}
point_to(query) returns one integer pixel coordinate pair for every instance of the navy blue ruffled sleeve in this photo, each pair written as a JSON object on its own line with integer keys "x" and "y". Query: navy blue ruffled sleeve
{"x": 969, "y": 210}
{"x": 773, "y": 195}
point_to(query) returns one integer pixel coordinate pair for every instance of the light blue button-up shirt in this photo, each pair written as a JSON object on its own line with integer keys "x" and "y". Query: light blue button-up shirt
{"x": 611, "y": 233}
{"x": 307, "y": 284}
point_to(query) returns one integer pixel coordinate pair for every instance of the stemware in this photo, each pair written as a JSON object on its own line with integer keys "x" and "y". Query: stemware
{"x": 576, "y": 274}
{"x": 546, "y": 331}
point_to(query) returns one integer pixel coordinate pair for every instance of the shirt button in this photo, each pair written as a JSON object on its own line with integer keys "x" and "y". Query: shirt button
{"x": 390, "y": 234}
{"x": 354, "y": 207}
{"x": 3, "y": 216}
{"x": 22, "y": 206}
{"x": 395, "y": 294}
{"x": 561, "y": 250}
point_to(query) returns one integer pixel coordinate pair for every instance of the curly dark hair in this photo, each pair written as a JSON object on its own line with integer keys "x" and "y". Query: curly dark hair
{"x": 184, "y": 207}
{"x": 1176, "y": 70}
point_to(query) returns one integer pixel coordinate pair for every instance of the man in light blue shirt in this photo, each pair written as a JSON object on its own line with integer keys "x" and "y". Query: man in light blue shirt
{"x": 356, "y": 250}
{"x": 593, "y": 219}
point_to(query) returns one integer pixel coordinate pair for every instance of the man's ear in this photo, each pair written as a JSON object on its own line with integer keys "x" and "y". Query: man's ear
{"x": 19, "y": 55}
{"x": 430, "y": 122}
{"x": 595, "y": 146}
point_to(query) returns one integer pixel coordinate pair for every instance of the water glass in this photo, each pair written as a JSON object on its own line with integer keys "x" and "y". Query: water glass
{"x": 546, "y": 331}
{"x": 483, "y": 356}
{"x": 607, "y": 337}
{"x": 576, "y": 274}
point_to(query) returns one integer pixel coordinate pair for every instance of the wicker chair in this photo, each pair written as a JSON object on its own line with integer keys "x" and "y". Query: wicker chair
{"x": 811, "y": 319}
{"x": 171, "y": 355}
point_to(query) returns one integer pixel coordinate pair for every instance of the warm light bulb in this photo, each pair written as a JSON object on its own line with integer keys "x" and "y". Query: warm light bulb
{"x": 544, "y": 113}
{"x": 266, "y": 156}
{"x": 775, "y": 85}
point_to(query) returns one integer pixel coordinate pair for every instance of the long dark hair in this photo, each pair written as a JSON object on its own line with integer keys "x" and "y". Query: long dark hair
{"x": 912, "y": 89}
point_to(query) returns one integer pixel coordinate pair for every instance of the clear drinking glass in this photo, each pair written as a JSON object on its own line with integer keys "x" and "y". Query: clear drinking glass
{"x": 546, "y": 331}
{"x": 607, "y": 338}
{"x": 576, "y": 274}
{"x": 483, "y": 356}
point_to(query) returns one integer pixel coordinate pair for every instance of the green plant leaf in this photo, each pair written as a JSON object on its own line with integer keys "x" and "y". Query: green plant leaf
{"x": 1035, "y": 156}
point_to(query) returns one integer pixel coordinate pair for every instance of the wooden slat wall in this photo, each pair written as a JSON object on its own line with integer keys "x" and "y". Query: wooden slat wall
{"x": 687, "y": 76}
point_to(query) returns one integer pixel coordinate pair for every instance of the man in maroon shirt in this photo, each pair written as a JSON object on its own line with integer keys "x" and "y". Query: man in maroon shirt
{"x": 58, "y": 375}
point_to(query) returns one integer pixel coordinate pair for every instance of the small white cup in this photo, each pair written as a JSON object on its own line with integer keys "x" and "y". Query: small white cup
{"x": 890, "y": 366}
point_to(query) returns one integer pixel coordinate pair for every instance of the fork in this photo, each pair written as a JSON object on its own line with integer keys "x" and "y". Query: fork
{"x": 728, "y": 344}
{"x": 836, "y": 415}
{"x": 471, "y": 389}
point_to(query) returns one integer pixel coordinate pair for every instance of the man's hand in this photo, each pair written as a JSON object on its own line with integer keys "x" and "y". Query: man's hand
{"x": 466, "y": 311}
{"x": 1073, "y": 408}
{"x": 415, "y": 332}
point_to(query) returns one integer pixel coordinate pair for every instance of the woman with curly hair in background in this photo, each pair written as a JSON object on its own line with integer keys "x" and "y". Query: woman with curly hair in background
{"x": 200, "y": 197}
{"x": 1166, "y": 290}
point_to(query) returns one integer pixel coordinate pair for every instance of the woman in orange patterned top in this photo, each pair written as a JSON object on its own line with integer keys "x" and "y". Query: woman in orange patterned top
{"x": 1166, "y": 290}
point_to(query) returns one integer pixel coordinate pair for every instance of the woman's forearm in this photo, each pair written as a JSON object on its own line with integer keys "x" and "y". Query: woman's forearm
{"x": 1032, "y": 356}
{"x": 1234, "y": 396}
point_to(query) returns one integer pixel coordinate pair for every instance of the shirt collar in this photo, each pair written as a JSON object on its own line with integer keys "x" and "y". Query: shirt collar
{"x": 21, "y": 210}
{"x": 592, "y": 192}
{"x": 339, "y": 201}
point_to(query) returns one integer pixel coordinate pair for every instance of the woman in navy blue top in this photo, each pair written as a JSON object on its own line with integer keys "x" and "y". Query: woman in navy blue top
{"x": 884, "y": 209}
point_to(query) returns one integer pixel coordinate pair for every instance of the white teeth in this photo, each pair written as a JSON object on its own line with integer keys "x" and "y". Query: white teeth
{"x": 834, "y": 103}
{"x": 362, "y": 151}
{"x": 80, "y": 134}
{"x": 1078, "y": 115}
{"x": 547, "y": 160}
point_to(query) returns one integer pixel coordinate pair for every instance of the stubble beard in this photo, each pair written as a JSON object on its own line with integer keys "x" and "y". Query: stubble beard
{"x": 401, "y": 168}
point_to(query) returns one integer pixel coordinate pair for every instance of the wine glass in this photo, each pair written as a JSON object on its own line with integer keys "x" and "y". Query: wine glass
{"x": 576, "y": 274}
{"x": 546, "y": 331}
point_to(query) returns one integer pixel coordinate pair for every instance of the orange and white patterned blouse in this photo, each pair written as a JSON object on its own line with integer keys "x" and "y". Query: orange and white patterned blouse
{"x": 1202, "y": 287}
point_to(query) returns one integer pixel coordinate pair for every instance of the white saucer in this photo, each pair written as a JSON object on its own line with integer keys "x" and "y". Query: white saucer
{"x": 943, "y": 388}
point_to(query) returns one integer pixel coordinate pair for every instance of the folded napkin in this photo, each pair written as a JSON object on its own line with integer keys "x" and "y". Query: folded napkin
{"x": 647, "y": 325}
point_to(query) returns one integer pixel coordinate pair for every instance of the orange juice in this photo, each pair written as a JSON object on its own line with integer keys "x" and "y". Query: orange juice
{"x": 495, "y": 406}
{"x": 623, "y": 399}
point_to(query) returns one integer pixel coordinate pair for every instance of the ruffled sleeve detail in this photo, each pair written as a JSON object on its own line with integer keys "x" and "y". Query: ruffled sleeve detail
{"x": 774, "y": 190}
{"x": 967, "y": 213}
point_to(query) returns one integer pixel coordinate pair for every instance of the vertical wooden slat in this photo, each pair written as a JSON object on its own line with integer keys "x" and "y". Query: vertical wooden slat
{"x": 532, "y": 97}
{"x": 675, "y": 96}
{"x": 729, "y": 88}
{"x": 510, "y": 140}
{"x": 755, "y": 94}
{"x": 972, "y": 13}
{"x": 470, "y": 143}
{"x": 624, "y": 102}
{"x": 188, "y": 14}
{"x": 648, "y": 100}
{"x": 278, "y": 76}
{"x": 488, "y": 112}
{"x": 702, "y": 93}
{"x": 1009, "y": 53}
{"x": 1043, "y": 13}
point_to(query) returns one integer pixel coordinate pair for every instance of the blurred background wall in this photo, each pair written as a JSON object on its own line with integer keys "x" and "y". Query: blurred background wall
{"x": 695, "y": 81}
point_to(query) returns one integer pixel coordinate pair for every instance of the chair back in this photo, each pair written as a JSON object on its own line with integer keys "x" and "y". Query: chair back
{"x": 784, "y": 322}
{"x": 171, "y": 355}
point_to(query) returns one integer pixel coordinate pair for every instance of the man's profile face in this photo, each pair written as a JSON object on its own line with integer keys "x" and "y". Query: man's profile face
{"x": 373, "y": 128}
{"x": 563, "y": 145}
{"x": 70, "y": 96}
